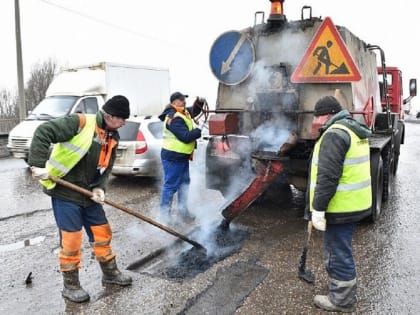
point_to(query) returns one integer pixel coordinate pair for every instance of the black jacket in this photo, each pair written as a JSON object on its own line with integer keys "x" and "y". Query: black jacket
{"x": 332, "y": 152}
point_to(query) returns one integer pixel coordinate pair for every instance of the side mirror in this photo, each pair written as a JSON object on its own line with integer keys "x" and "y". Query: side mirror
{"x": 413, "y": 87}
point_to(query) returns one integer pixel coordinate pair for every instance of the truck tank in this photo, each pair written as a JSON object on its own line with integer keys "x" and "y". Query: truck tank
{"x": 271, "y": 75}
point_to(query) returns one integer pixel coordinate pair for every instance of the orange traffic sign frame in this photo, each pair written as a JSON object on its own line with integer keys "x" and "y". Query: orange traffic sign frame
{"x": 326, "y": 59}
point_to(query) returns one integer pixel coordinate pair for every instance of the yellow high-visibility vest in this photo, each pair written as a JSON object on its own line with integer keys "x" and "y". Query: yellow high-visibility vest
{"x": 354, "y": 190}
{"x": 171, "y": 142}
{"x": 65, "y": 155}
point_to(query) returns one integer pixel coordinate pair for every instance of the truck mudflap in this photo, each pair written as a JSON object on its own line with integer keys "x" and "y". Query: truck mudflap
{"x": 268, "y": 165}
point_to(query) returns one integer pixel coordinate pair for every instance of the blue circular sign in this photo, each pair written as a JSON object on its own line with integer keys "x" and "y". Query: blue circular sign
{"x": 232, "y": 57}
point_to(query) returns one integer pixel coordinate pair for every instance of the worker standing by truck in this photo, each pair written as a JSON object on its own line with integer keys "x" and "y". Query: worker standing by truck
{"x": 339, "y": 196}
{"x": 83, "y": 154}
{"x": 179, "y": 142}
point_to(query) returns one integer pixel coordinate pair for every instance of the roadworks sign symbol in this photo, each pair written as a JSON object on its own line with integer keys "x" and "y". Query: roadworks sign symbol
{"x": 326, "y": 59}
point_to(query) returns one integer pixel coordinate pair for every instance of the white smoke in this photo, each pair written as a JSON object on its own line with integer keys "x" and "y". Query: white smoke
{"x": 272, "y": 134}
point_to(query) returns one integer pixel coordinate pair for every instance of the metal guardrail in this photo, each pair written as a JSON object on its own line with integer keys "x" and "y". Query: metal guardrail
{"x": 7, "y": 124}
{"x": 4, "y": 152}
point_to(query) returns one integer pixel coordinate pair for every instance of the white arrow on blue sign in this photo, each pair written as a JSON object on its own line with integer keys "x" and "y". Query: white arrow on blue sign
{"x": 232, "y": 56}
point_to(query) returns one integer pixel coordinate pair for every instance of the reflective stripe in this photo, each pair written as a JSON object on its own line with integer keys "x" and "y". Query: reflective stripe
{"x": 69, "y": 266}
{"x": 106, "y": 257}
{"x": 69, "y": 253}
{"x": 354, "y": 161}
{"x": 342, "y": 283}
{"x": 58, "y": 166}
{"x": 95, "y": 244}
{"x": 348, "y": 187}
{"x": 74, "y": 148}
{"x": 347, "y": 161}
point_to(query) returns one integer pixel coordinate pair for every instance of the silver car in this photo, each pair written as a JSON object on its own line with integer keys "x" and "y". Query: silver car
{"x": 138, "y": 152}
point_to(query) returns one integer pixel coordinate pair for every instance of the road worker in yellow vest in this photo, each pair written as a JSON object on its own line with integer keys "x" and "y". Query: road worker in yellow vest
{"x": 179, "y": 143}
{"x": 340, "y": 195}
{"x": 83, "y": 154}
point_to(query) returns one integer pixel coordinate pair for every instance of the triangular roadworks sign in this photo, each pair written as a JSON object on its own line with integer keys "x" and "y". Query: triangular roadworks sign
{"x": 326, "y": 59}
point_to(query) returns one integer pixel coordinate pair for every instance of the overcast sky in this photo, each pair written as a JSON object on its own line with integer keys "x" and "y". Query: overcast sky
{"x": 179, "y": 34}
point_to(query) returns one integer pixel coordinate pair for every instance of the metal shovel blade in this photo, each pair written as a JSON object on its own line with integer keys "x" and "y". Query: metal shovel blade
{"x": 307, "y": 275}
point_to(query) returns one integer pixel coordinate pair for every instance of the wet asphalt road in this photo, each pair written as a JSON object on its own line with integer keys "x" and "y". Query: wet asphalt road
{"x": 260, "y": 277}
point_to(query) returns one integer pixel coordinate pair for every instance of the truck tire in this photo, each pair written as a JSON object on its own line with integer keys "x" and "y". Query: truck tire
{"x": 376, "y": 172}
{"x": 388, "y": 171}
{"x": 399, "y": 139}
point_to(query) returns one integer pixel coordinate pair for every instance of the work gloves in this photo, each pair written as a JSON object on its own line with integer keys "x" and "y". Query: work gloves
{"x": 98, "y": 195}
{"x": 318, "y": 220}
{"x": 199, "y": 101}
{"x": 39, "y": 172}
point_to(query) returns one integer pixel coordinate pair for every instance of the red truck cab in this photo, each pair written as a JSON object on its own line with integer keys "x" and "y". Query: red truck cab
{"x": 394, "y": 84}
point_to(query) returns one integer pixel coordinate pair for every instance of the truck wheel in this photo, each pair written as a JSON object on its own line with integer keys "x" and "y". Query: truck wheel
{"x": 395, "y": 164}
{"x": 388, "y": 172}
{"x": 376, "y": 172}
{"x": 398, "y": 141}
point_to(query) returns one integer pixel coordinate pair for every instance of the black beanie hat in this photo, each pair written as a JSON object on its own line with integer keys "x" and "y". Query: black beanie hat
{"x": 327, "y": 105}
{"x": 118, "y": 106}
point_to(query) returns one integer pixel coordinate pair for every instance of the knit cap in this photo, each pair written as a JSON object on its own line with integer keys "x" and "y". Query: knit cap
{"x": 327, "y": 105}
{"x": 118, "y": 106}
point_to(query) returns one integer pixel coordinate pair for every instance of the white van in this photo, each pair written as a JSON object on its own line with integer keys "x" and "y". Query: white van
{"x": 84, "y": 89}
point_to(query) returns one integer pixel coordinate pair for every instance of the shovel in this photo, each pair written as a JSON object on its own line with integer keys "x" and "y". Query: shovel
{"x": 304, "y": 274}
{"x": 88, "y": 193}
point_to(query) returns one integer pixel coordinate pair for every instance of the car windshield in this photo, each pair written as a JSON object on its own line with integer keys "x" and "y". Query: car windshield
{"x": 52, "y": 107}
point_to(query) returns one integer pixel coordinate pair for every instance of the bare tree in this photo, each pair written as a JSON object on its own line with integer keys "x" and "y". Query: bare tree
{"x": 8, "y": 104}
{"x": 9, "y": 114}
{"x": 40, "y": 78}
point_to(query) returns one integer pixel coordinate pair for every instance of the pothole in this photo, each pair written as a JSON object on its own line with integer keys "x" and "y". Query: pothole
{"x": 180, "y": 261}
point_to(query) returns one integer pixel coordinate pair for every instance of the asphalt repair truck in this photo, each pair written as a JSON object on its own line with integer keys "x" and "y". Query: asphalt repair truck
{"x": 86, "y": 88}
{"x": 270, "y": 77}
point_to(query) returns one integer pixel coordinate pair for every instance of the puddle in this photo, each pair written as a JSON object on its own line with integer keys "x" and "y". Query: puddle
{"x": 22, "y": 244}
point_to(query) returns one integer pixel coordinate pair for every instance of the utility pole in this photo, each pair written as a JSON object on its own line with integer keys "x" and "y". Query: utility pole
{"x": 21, "y": 87}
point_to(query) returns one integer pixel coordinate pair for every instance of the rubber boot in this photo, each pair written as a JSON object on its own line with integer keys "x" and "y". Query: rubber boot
{"x": 323, "y": 302}
{"x": 72, "y": 289}
{"x": 111, "y": 274}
